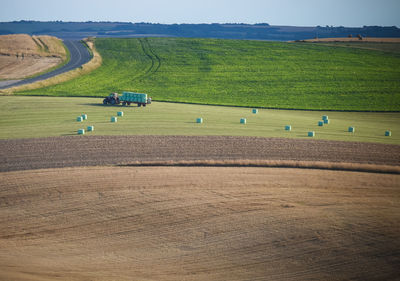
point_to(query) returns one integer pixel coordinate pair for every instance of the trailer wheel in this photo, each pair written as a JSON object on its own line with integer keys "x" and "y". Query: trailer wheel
{"x": 144, "y": 104}
{"x": 124, "y": 103}
{"x": 129, "y": 103}
{"x": 139, "y": 104}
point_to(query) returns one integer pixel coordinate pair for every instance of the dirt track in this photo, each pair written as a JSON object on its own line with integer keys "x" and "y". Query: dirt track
{"x": 57, "y": 152}
{"x": 175, "y": 223}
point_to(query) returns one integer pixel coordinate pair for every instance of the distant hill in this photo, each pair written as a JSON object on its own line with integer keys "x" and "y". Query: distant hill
{"x": 262, "y": 31}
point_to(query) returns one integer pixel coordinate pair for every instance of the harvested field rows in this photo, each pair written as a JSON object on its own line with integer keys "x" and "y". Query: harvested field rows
{"x": 22, "y": 55}
{"x": 174, "y": 223}
{"x": 57, "y": 152}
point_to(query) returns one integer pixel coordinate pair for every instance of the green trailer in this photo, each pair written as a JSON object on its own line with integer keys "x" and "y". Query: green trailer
{"x": 127, "y": 98}
{"x": 130, "y": 97}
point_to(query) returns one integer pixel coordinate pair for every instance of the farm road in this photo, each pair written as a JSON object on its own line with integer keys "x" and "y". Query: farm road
{"x": 79, "y": 56}
{"x": 73, "y": 151}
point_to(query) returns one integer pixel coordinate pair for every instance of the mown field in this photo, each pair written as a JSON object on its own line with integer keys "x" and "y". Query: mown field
{"x": 244, "y": 73}
{"x": 32, "y": 117}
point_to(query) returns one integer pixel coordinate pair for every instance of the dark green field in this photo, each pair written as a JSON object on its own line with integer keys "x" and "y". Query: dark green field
{"x": 243, "y": 73}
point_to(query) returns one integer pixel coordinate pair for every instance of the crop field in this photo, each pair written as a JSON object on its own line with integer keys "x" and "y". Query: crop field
{"x": 32, "y": 117}
{"x": 22, "y": 55}
{"x": 158, "y": 196}
{"x": 245, "y": 73}
{"x": 198, "y": 223}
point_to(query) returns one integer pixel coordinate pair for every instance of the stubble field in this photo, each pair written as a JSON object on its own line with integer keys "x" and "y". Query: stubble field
{"x": 22, "y": 55}
{"x": 198, "y": 223}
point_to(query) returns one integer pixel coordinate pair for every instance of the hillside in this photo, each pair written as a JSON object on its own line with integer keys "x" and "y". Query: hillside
{"x": 23, "y": 55}
{"x": 243, "y": 73}
{"x": 260, "y": 31}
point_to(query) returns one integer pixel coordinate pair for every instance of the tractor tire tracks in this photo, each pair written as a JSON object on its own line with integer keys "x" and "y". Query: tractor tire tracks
{"x": 154, "y": 58}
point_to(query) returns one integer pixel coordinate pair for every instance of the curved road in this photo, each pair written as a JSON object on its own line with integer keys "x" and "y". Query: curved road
{"x": 79, "y": 56}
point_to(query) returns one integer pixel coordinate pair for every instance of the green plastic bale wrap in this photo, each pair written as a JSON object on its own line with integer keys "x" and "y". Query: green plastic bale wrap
{"x": 326, "y": 121}
{"x": 242, "y": 120}
{"x": 352, "y": 129}
{"x": 114, "y": 119}
{"x": 311, "y": 134}
{"x": 320, "y": 123}
{"x": 79, "y": 119}
{"x": 81, "y": 131}
{"x": 120, "y": 113}
{"x": 84, "y": 116}
{"x": 288, "y": 127}
{"x": 199, "y": 120}
{"x": 255, "y": 111}
{"x": 90, "y": 128}
{"x": 134, "y": 97}
{"x": 324, "y": 117}
{"x": 388, "y": 134}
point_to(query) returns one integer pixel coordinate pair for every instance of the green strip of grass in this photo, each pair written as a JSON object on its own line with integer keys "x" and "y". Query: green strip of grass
{"x": 243, "y": 73}
{"x": 32, "y": 117}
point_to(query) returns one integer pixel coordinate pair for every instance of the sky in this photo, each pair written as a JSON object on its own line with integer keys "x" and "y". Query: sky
{"x": 349, "y": 13}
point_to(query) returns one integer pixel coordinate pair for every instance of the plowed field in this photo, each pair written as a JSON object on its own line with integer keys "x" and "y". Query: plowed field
{"x": 198, "y": 223}
{"x": 57, "y": 152}
{"x": 195, "y": 223}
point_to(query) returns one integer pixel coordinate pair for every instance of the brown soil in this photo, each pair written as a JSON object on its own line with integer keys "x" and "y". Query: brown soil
{"x": 355, "y": 39}
{"x": 12, "y": 67}
{"x": 22, "y": 55}
{"x": 198, "y": 223}
{"x": 69, "y": 151}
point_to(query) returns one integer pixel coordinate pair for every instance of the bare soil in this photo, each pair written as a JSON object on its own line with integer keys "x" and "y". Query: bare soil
{"x": 198, "y": 223}
{"x": 22, "y": 55}
{"x": 69, "y": 151}
{"x": 13, "y": 67}
{"x": 355, "y": 39}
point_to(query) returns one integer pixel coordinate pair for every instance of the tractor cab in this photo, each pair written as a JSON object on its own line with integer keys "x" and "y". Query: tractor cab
{"x": 111, "y": 99}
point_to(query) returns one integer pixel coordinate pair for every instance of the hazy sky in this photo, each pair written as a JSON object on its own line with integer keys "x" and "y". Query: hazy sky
{"x": 279, "y": 12}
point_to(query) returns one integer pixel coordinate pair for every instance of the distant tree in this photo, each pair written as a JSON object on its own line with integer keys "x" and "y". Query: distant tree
{"x": 359, "y": 37}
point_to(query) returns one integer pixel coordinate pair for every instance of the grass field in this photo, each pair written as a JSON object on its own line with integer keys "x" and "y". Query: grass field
{"x": 245, "y": 73}
{"x": 27, "y": 117}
